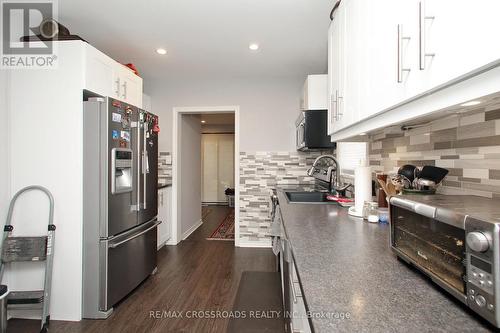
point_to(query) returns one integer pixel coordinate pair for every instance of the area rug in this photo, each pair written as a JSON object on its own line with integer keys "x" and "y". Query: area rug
{"x": 225, "y": 230}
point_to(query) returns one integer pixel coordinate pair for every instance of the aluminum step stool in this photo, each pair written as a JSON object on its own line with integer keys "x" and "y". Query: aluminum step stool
{"x": 17, "y": 249}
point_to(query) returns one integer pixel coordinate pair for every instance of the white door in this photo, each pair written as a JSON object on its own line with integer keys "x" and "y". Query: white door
{"x": 99, "y": 69}
{"x": 463, "y": 36}
{"x": 209, "y": 162}
{"x": 131, "y": 88}
{"x": 217, "y": 166}
{"x": 164, "y": 229}
{"x": 225, "y": 175}
{"x": 389, "y": 51}
{"x": 334, "y": 70}
{"x": 331, "y": 77}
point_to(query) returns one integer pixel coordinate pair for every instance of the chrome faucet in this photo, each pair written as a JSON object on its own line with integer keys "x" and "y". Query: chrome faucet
{"x": 333, "y": 180}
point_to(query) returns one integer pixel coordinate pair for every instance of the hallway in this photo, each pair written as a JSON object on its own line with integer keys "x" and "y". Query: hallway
{"x": 196, "y": 275}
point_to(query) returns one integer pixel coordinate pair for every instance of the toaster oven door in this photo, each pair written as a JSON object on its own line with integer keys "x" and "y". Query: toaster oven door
{"x": 435, "y": 247}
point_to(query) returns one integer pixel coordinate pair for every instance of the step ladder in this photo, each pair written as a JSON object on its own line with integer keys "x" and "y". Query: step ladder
{"x": 25, "y": 249}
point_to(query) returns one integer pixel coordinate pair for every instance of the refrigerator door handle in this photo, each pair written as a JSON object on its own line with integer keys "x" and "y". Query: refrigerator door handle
{"x": 115, "y": 245}
{"x": 137, "y": 207}
{"x": 145, "y": 164}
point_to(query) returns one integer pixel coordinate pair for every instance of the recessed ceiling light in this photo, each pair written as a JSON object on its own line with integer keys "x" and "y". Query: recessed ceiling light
{"x": 471, "y": 103}
{"x": 253, "y": 46}
{"x": 161, "y": 51}
{"x": 203, "y": 121}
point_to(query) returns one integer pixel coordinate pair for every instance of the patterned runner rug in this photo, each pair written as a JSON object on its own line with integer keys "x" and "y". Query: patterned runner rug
{"x": 225, "y": 230}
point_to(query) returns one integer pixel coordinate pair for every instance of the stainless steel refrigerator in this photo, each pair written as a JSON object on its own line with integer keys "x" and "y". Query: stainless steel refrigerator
{"x": 120, "y": 202}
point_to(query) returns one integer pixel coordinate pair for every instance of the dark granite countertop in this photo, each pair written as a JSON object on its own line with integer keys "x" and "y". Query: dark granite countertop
{"x": 346, "y": 265}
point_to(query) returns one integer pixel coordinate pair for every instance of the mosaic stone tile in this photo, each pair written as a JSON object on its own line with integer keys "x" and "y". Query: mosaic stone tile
{"x": 468, "y": 145}
{"x": 260, "y": 172}
{"x": 164, "y": 169}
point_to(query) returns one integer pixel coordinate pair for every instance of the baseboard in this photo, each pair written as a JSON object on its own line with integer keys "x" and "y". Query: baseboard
{"x": 208, "y": 204}
{"x": 192, "y": 229}
{"x": 262, "y": 244}
{"x": 171, "y": 242}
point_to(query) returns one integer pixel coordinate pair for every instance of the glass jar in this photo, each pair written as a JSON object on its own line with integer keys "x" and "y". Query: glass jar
{"x": 373, "y": 212}
{"x": 366, "y": 209}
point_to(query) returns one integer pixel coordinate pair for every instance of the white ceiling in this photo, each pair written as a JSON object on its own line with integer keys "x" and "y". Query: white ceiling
{"x": 206, "y": 38}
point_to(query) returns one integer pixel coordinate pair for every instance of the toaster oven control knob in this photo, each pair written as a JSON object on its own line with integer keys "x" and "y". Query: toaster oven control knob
{"x": 480, "y": 301}
{"x": 478, "y": 241}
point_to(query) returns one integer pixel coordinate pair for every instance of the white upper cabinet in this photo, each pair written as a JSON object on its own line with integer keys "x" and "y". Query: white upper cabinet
{"x": 314, "y": 93}
{"x": 127, "y": 86}
{"x": 107, "y": 77}
{"x": 336, "y": 61}
{"x": 385, "y": 54}
{"x": 389, "y": 47}
{"x": 459, "y": 37}
{"x": 347, "y": 66}
{"x": 99, "y": 70}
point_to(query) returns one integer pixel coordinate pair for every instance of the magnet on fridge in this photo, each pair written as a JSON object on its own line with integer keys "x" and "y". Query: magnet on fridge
{"x": 115, "y": 134}
{"x": 125, "y": 135}
{"x": 116, "y": 117}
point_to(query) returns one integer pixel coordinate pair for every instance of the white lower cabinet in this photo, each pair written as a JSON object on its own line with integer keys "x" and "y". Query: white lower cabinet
{"x": 296, "y": 314}
{"x": 164, "y": 215}
{"x": 299, "y": 320}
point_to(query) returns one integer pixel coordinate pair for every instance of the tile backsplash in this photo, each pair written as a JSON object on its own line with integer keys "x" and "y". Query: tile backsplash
{"x": 259, "y": 173}
{"x": 164, "y": 167}
{"x": 467, "y": 144}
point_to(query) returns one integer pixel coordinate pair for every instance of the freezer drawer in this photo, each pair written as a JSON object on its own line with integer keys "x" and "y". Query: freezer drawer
{"x": 131, "y": 258}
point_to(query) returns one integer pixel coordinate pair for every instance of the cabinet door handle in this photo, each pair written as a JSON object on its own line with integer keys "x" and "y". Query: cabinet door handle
{"x": 117, "y": 91}
{"x": 124, "y": 90}
{"x": 401, "y": 69}
{"x": 423, "y": 34}
{"x": 115, "y": 245}
{"x": 332, "y": 107}
{"x": 336, "y": 105}
{"x": 340, "y": 113}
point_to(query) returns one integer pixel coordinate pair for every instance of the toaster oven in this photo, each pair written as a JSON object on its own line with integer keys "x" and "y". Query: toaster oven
{"x": 455, "y": 241}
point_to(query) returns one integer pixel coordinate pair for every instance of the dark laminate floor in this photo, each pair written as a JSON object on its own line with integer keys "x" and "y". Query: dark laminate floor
{"x": 197, "y": 274}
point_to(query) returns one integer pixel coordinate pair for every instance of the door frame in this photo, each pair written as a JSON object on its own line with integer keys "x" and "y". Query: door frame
{"x": 177, "y": 113}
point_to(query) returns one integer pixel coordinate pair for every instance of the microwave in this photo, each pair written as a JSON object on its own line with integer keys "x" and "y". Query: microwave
{"x": 455, "y": 241}
{"x": 312, "y": 131}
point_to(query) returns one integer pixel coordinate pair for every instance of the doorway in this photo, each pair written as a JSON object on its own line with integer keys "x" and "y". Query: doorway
{"x": 205, "y": 173}
{"x": 217, "y": 159}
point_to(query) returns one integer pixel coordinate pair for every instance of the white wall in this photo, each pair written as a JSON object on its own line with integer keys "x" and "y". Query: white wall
{"x": 268, "y": 107}
{"x": 4, "y": 158}
{"x": 212, "y": 129}
{"x": 190, "y": 172}
{"x": 46, "y": 148}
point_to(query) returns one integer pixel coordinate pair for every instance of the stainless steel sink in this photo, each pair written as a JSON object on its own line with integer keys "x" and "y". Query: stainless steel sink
{"x": 308, "y": 198}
